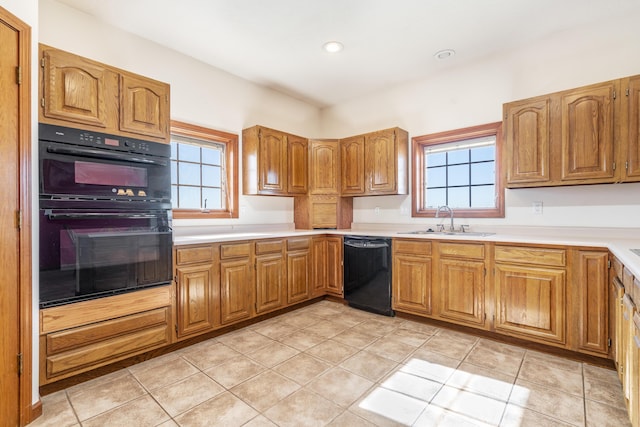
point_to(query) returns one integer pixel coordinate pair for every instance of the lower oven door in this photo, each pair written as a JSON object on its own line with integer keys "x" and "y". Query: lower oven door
{"x": 88, "y": 254}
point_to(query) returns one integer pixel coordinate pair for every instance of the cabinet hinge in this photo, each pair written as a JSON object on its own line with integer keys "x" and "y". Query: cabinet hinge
{"x": 42, "y": 62}
{"x": 485, "y": 272}
{"x": 626, "y": 92}
{"x": 19, "y": 75}
{"x": 20, "y": 363}
{"x": 614, "y": 165}
{"x": 176, "y": 328}
{"x": 608, "y": 263}
{"x": 614, "y": 94}
{"x": 485, "y": 316}
{"x": 19, "y": 220}
{"x": 609, "y": 342}
{"x": 42, "y": 102}
{"x": 626, "y": 165}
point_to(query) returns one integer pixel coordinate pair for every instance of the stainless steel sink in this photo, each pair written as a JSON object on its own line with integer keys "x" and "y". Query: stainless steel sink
{"x": 635, "y": 251}
{"x": 448, "y": 233}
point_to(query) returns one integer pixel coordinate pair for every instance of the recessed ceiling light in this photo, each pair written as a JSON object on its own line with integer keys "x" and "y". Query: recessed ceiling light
{"x": 444, "y": 54}
{"x": 332, "y": 47}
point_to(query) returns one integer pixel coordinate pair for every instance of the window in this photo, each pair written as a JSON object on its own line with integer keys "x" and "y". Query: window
{"x": 460, "y": 169}
{"x": 204, "y": 172}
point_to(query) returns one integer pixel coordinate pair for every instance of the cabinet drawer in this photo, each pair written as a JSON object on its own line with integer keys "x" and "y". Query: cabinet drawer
{"x": 235, "y": 250}
{"x": 194, "y": 254}
{"x": 527, "y": 255}
{"x": 72, "y": 338}
{"x": 412, "y": 246}
{"x": 461, "y": 250}
{"x": 269, "y": 246}
{"x": 297, "y": 244}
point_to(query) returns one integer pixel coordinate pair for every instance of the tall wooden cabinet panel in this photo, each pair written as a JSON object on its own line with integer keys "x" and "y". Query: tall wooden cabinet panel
{"x": 196, "y": 299}
{"x": 411, "y": 279}
{"x": 142, "y": 106}
{"x": 79, "y": 92}
{"x": 326, "y": 266}
{"x": 528, "y": 133}
{"x": 271, "y": 275}
{"x": 274, "y": 162}
{"x": 236, "y": 282}
{"x": 352, "y": 172}
{"x": 587, "y": 135}
{"x": 324, "y": 167}
{"x": 76, "y": 89}
{"x": 297, "y": 155}
{"x": 631, "y": 126}
{"x": 334, "y": 266}
{"x": 298, "y": 269}
{"x": 593, "y": 320}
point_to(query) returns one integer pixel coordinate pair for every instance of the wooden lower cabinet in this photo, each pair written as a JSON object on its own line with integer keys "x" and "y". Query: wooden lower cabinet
{"x": 326, "y": 266}
{"x": 197, "y": 289}
{"x": 271, "y": 275}
{"x": 530, "y": 303}
{"x": 236, "y": 290}
{"x": 462, "y": 293}
{"x": 79, "y": 337}
{"x": 591, "y": 273}
{"x": 411, "y": 278}
{"x": 298, "y": 269}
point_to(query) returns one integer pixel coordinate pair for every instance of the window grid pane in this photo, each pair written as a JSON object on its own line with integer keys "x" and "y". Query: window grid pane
{"x": 197, "y": 171}
{"x": 460, "y": 178}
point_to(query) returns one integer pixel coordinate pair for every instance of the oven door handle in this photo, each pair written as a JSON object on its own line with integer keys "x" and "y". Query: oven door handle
{"x": 108, "y": 155}
{"x": 91, "y": 215}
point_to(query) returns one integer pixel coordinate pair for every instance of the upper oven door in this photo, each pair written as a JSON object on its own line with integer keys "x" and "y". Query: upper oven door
{"x": 74, "y": 171}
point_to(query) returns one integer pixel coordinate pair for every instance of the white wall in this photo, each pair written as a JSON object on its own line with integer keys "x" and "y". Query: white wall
{"x": 200, "y": 94}
{"x": 474, "y": 95}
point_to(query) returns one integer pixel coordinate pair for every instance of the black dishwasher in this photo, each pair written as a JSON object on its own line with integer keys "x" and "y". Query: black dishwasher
{"x": 367, "y": 273}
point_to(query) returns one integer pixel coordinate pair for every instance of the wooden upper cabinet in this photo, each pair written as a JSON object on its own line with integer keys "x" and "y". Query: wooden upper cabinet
{"x": 274, "y": 162}
{"x": 527, "y": 133}
{"x": 587, "y": 135}
{"x": 631, "y": 129}
{"x": 324, "y": 167}
{"x": 298, "y": 154}
{"x": 143, "y": 105}
{"x": 352, "y": 162}
{"x": 375, "y": 163}
{"x": 78, "y": 92}
{"x": 76, "y": 89}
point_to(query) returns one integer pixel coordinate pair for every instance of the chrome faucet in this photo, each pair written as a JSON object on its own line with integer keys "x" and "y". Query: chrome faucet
{"x": 446, "y": 209}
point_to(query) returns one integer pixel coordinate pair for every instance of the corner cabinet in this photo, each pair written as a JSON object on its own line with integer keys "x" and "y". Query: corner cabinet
{"x": 79, "y": 92}
{"x": 375, "y": 163}
{"x": 274, "y": 162}
{"x": 326, "y": 266}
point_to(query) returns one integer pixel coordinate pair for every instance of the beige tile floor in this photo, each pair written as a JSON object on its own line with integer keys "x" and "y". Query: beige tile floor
{"x": 328, "y": 364}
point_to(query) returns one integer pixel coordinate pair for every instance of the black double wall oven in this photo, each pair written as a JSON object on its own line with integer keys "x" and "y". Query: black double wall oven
{"x": 105, "y": 215}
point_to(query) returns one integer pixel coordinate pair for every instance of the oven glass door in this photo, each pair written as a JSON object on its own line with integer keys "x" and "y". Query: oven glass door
{"x": 89, "y": 254}
{"x": 75, "y": 171}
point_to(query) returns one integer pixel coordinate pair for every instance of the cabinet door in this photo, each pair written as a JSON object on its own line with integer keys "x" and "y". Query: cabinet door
{"x": 298, "y": 151}
{"x": 298, "y": 276}
{"x": 593, "y": 324}
{"x": 633, "y": 128}
{"x": 334, "y": 266}
{"x": 77, "y": 89}
{"x": 319, "y": 265}
{"x": 530, "y": 302}
{"x": 411, "y": 281}
{"x": 352, "y": 161}
{"x": 195, "y": 299}
{"x": 324, "y": 168}
{"x": 461, "y": 289}
{"x": 587, "y": 133}
{"x": 270, "y": 282}
{"x": 272, "y": 162}
{"x": 527, "y": 132}
{"x": 380, "y": 163}
{"x": 617, "y": 292}
{"x": 235, "y": 290}
{"x": 144, "y": 106}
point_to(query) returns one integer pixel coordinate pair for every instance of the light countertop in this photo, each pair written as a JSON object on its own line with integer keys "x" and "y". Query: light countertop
{"x": 618, "y": 241}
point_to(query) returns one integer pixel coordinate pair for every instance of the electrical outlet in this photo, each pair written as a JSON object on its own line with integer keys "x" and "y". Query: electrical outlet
{"x": 377, "y": 211}
{"x": 537, "y": 208}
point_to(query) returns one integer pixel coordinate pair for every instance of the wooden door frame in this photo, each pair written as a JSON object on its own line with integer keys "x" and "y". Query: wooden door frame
{"x": 27, "y": 411}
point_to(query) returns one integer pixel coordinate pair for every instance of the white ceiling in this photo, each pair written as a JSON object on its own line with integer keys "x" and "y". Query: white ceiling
{"x": 277, "y": 43}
